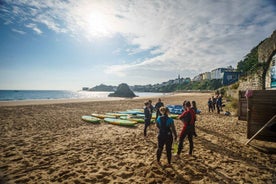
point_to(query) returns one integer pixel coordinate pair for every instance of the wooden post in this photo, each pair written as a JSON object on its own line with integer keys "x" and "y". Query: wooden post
{"x": 260, "y": 130}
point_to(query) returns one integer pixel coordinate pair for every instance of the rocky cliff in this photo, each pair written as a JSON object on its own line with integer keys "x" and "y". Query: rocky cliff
{"x": 123, "y": 90}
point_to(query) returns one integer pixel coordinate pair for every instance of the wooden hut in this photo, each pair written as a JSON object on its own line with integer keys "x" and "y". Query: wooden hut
{"x": 260, "y": 108}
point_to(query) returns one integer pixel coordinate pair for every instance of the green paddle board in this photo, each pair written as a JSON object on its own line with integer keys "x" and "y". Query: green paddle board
{"x": 90, "y": 119}
{"x": 121, "y": 122}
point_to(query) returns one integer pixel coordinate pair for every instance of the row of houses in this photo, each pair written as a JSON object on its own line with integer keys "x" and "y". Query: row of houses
{"x": 228, "y": 75}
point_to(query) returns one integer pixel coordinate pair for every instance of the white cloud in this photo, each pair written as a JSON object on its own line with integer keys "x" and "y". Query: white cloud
{"x": 18, "y": 31}
{"x": 186, "y": 37}
{"x": 34, "y": 28}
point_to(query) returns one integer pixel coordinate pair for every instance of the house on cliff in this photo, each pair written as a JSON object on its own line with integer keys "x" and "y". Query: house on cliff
{"x": 230, "y": 77}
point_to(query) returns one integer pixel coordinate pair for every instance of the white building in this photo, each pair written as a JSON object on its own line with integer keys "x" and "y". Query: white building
{"x": 218, "y": 73}
{"x": 206, "y": 76}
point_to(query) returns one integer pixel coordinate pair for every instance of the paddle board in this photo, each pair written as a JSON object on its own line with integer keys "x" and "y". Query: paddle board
{"x": 131, "y": 112}
{"x": 117, "y": 115}
{"x": 137, "y": 120}
{"x": 120, "y": 122}
{"x": 102, "y": 116}
{"x": 90, "y": 119}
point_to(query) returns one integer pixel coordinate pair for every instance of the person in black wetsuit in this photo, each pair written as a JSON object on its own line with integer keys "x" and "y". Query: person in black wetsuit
{"x": 151, "y": 106}
{"x": 166, "y": 128}
{"x": 157, "y": 107}
{"x": 147, "y": 113}
{"x": 188, "y": 119}
{"x": 194, "y": 108}
{"x": 219, "y": 104}
{"x": 210, "y": 105}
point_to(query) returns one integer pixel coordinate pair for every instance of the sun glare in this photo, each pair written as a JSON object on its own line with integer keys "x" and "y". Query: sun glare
{"x": 98, "y": 24}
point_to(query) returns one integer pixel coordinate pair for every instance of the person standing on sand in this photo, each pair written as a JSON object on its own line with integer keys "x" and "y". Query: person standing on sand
{"x": 148, "y": 114}
{"x": 151, "y": 106}
{"x": 166, "y": 127}
{"x": 214, "y": 99}
{"x": 219, "y": 104}
{"x": 210, "y": 105}
{"x": 188, "y": 119}
{"x": 157, "y": 107}
{"x": 194, "y": 108}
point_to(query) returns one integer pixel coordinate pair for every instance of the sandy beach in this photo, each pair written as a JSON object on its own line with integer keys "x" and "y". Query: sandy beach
{"x": 49, "y": 143}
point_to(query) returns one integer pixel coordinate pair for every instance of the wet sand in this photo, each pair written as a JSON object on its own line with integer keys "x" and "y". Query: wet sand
{"x": 49, "y": 143}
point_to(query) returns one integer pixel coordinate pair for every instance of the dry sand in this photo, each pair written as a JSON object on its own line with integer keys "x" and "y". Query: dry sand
{"x": 49, "y": 143}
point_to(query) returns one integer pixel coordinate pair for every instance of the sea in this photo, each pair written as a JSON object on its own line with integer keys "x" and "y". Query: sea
{"x": 19, "y": 95}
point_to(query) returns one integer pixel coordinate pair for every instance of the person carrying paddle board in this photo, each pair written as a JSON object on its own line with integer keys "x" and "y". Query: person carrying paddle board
{"x": 166, "y": 127}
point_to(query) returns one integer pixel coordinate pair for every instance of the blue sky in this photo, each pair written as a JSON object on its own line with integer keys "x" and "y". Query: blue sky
{"x": 68, "y": 44}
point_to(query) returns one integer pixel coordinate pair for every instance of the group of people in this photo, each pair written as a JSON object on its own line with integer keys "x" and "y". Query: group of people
{"x": 215, "y": 103}
{"x": 167, "y": 131}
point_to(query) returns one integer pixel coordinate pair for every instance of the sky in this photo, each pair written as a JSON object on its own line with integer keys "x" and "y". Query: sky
{"x": 70, "y": 44}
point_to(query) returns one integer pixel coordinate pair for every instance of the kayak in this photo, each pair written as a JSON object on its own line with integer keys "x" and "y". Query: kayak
{"x": 121, "y": 122}
{"x": 90, "y": 119}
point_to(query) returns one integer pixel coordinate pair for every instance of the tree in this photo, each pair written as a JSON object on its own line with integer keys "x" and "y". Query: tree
{"x": 250, "y": 62}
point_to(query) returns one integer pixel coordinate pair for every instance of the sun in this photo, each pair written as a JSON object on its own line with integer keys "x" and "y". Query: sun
{"x": 98, "y": 24}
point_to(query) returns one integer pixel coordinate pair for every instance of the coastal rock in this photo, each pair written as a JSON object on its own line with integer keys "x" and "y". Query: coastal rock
{"x": 123, "y": 90}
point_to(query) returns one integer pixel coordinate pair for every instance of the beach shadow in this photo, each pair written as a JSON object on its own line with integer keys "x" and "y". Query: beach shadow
{"x": 237, "y": 156}
{"x": 265, "y": 150}
{"x": 169, "y": 172}
{"x": 175, "y": 175}
{"x": 217, "y": 134}
{"x": 197, "y": 171}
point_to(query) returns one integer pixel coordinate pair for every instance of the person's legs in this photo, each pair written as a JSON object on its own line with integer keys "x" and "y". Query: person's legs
{"x": 147, "y": 123}
{"x": 194, "y": 131}
{"x": 218, "y": 109}
{"x": 169, "y": 148}
{"x": 181, "y": 142}
{"x": 161, "y": 142}
{"x": 191, "y": 143}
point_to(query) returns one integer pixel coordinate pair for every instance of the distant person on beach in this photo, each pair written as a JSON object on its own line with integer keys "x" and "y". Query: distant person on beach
{"x": 167, "y": 130}
{"x": 184, "y": 106}
{"x": 148, "y": 114}
{"x": 214, "y": 99}
{"x": 210, "y": 105}
{"x": 151, "y": 106}
{"x": 157, "y": 108}
{"x": 194, "y": 108}
{"x": 188, "y": 119}
{"x": 219, "y": 104}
